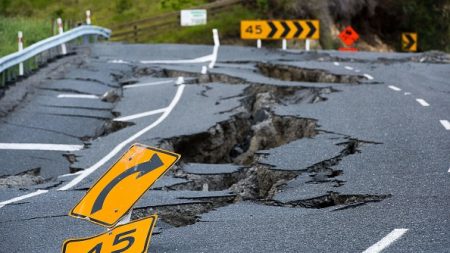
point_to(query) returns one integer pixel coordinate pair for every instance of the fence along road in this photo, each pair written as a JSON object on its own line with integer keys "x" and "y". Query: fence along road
{"x": 139, "y": 30}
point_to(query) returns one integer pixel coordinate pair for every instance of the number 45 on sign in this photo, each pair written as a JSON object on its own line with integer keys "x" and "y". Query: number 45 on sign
{"x": 131, "y": 237}
{"x": 257, "y": 29}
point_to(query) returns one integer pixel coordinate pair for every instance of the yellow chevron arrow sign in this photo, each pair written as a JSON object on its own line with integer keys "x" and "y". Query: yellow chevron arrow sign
{"x": 409, "y": 42}
{"x": 280, "y": 29}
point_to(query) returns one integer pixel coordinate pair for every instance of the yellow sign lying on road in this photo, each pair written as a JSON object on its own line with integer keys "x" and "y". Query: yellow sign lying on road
{"x": 409, "y": 42}
{"x": 114, "y": 194}
{"x": 129, "y": 238}
{"x": 279, "y": 29}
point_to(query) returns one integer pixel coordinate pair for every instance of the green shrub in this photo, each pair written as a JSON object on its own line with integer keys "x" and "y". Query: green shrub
{"x": 33, "y": 30}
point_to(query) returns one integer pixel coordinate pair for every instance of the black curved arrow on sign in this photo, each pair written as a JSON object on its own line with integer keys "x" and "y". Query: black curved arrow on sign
{"x": 273, "y": 29}
{"x": 142, "y": 169}
{"x": 299, "y": 29}
{"x": 411, "y": 41}
{"x": 312, "y": 29}
{"x": 286, "y": 29}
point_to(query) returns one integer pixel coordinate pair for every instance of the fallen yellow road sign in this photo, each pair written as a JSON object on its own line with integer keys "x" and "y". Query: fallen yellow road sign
{"x": 280, "y": 29}
{"x": 132, "y": 237}
{"x": 115, "y": 193}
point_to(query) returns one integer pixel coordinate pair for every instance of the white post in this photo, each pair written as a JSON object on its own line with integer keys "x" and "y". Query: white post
{"x": 307, "y": 44}
{"x": 88, "y": 17}
{"x": 180, "y": 80}
{"x": 284, "y": 43}
{"x": 20, "y": 42}
{"x": 61, "y": 31}
{"x": 126, "y": 218}
{"x": 216, "y": 48}
{"x": 204, "y": 70}
{"x": 258, "y": 43}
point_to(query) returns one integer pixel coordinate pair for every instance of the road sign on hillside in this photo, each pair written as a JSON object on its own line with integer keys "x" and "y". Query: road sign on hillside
{"x": 123, "y": 184}
{"x": 409, "y": 42}
{"x": 348, "y": 36}
{"x": 280, "y": 29}
{"x": 193, "y": 17}
{"x": 131, "y": 237}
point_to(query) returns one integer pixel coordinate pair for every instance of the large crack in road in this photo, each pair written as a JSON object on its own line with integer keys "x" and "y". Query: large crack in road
{"x": 239, "y": 140}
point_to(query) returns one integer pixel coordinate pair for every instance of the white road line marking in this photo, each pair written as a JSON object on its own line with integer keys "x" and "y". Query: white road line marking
{"x": 180, "y": 80}
{"x": 394, "y": 88}
{"x": 407, "y": 93}
{"x": 448, "y": 170}
{"x": 121, "y": 145}
{"x": 357, "y": 70}
{"x": 78, "y": 96}
{"x": 140, "y": 115}
{"x": 348, "y": 67}
{"x": 368, "y": 76}
{"x": 204, "y": 70}
{"x": 16, "y": 199}
{"x": 336, "y": 63}
{"x": 211, "y": 58}
{"x": 40, "y": 146}
{"x": 202, "y": 59}
{"x": 386, "y": 241}
{"x": 118, "y": 61}
{"x": 422, "y": 102}
{"x": 446, "y": 124}
{"x": 70, "y": 174}
{"x": 147, "y": 84}
{"x": 216, "y": 48}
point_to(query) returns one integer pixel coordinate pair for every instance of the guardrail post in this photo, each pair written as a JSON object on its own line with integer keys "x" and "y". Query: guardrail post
{"x": 86, "y": 39}
{"x": 258, "y": 43}
{"x": 20, "y": 44}
{"x": 2, "y": 79}
{"x": 307, "y": 44}
{"x": 88, "y": 17}
{"x": 61, "y": 31}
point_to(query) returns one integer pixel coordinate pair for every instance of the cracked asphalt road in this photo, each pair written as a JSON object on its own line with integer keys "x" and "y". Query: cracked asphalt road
{"x": 282, "y": 151}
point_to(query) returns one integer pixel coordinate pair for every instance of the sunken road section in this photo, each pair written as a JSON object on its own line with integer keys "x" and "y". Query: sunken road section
{"x": 254, "y": 127}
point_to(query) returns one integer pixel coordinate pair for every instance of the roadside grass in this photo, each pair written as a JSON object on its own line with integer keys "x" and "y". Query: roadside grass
{"x": 104, "y": 12}
{"x": 33, "y": 30}
{"x": 227, "y": 22}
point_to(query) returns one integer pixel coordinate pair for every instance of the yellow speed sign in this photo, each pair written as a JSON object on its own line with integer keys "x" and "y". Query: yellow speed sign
{"x": 133, "y": 237}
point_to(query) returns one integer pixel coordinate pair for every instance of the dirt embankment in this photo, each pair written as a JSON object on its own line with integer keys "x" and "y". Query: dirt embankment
{"x": 379, "y": 22}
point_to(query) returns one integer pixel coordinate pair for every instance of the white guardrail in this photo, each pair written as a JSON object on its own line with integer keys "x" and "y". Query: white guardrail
{"x": 19, "y": 57}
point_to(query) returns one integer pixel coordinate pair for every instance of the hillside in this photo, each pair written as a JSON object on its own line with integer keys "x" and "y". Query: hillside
{"x": 379, "y": 22}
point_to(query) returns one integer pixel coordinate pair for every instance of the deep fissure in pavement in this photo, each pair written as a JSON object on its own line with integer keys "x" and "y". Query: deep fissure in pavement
{"x": 332, "y": 199}
{"x": 253, "y": 127}
{"x": 23, "y": 179}
{"x": 186, "y": 213}
{"x": 256, "y": 127}
{"x": 276, "y": 71}
{"x": 291, "y": 73}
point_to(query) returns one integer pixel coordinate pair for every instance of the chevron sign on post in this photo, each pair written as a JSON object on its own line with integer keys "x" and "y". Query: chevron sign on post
{"x": 279, "y": 29}
{"x": 409, "y": 42}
